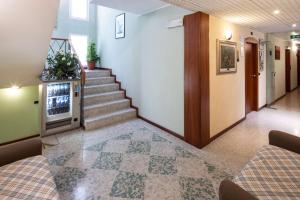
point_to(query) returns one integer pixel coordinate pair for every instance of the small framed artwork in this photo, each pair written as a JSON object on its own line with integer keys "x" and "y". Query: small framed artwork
{"x": 120, "y": 26}
{"x": 277, "y": 53}
{"x": 226, "y": 57}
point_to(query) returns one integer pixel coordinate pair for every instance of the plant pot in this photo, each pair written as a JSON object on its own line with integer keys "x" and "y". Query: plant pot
{"x": 91, "y": 65}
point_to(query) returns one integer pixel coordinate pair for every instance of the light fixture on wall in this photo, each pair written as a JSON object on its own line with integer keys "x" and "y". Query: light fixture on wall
{"x": 13, "y": 90}
{"x": 228, "y": 34}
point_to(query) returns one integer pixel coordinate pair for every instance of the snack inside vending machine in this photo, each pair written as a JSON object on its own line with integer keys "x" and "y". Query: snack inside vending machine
{"x": 61, "y": 106}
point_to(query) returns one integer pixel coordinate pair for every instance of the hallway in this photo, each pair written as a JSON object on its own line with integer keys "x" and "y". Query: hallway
{"x": 94, "y": 164}
{"x": 238, "y": 145}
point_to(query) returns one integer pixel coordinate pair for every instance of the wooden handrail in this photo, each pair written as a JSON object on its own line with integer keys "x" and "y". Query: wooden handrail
{"x": 54, "y": 38}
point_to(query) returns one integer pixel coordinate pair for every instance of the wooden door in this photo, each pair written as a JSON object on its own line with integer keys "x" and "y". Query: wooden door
{"x": 298, "y": 65}
{"x": 251, "y": 77}
{"x": 288, "y": 70}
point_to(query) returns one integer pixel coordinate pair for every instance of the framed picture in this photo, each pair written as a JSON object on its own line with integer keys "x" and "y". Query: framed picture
{"x": 226, "y": 57}
{"x": 277, "y": 53}
{"x": 120, "y": 26}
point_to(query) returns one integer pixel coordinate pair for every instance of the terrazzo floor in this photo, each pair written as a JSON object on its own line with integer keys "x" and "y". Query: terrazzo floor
{"x": 135, "y": 160}
{"x": 132, "y": 160}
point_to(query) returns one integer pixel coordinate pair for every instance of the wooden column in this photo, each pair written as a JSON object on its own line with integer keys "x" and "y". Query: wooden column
{"x": 196, "y": 79}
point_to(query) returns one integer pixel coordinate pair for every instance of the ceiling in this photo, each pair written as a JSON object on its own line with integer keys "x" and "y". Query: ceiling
{"x": 139, "y": 7}
{"x": 256, "y": 14}
{"x": 286, "y": 35}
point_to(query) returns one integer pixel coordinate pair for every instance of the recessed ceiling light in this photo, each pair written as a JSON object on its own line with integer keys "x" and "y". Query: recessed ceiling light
{"x": 294, "y": 25}
{"x": 276, "y": 12}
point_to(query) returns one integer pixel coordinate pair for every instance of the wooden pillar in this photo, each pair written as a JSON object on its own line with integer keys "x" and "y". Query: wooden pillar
{"x": 196, "y": 79}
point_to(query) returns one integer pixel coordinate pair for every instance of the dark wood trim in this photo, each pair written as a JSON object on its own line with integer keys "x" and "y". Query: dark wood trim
{"x": 252, "y": 40}
{"x": 18, "y": 140}
{"x": 288, "y": 70}
{"x": 294, "y": 89}
{"x": 278, "y": 99}
{"x": 262, "y": 107}
{"x": 227, "y": 129}
{"x": 162, "y": 128}
{"x": 120, "y": 86}
{"x": 196, "y": 79}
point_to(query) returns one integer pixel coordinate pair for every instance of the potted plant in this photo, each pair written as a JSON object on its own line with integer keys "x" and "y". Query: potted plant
{"x": 63, "y": 66}
{"x": 92, "y": 56}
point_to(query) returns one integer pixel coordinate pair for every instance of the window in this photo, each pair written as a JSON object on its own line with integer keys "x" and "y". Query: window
{"x": 79, "y": 9}
{"x": 80, "y": 43}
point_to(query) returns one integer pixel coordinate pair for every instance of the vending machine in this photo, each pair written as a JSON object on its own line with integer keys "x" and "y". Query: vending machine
{"x": 61, "y": 106}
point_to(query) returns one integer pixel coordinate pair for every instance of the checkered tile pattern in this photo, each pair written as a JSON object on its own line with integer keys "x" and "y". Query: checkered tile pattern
{"x": 134, "y": 164}
{"x": 274, "y": 173}
{"x": 28, "y": 179}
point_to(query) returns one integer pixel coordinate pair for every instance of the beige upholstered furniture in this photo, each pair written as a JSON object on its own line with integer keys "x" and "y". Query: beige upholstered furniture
{"x": 24, "y": 173}
{"x": 273, "y": 174}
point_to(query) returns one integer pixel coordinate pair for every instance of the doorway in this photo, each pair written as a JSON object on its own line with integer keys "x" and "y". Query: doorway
{"x": 251, "y": 75}
{"x": 287, "y": 70}
{"x": 298, "y": 65}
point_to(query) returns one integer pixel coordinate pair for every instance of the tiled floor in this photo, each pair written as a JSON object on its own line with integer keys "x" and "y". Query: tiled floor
{"x": 238, "y": 145}
{"x": 135, "y": 160}
{"x": 132, "y": 160}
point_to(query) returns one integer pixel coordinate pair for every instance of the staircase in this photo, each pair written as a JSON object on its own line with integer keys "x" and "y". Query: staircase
{"x": 104, "y": 102}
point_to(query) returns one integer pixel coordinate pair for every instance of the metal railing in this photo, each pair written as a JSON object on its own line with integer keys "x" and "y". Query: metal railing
{"x": 64, "y": 45}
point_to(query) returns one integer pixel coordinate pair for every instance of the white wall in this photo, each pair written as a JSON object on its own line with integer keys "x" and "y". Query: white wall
{"x": 149, "y": 62}
{"x": 279, "y": 65}
{"x": 65, "y": 25}
{"x": 26, "y": 28}
{"x": 227, "y": 91}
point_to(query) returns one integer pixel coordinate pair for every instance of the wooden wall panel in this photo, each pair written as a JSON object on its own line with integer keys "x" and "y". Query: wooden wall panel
{"x": 196, "y": 79}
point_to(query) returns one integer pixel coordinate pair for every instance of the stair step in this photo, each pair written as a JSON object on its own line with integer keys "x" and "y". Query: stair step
{"x": 102, "y": 98}
{"x": 108, "y": 119}
{"x": 108, "y": 107}
{"x": 97, "y": 73}
{"x": 100, "y": 88}
{"x": 99, "y": 80}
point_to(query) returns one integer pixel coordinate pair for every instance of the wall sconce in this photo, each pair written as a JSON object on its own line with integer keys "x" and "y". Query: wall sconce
{"x": 14, "y": 90}
{"x": 228, "y": 34}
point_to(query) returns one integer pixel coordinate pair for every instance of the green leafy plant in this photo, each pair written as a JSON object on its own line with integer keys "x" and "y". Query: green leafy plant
{"x": 92, "y": 53}
{"x": 63, "y": 66}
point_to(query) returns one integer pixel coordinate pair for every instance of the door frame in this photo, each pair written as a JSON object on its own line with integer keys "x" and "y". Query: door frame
{"x": 252, "y": 40}
{"x": 298, "y": 64}
{"x": 287, "y": 69}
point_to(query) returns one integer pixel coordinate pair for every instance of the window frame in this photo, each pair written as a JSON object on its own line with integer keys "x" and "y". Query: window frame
{"x": 79, "y": 18}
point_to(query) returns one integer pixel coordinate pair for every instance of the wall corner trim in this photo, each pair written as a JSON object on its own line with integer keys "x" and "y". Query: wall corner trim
{"x": 162, "y": 128}
{"x": 227, "y": 129}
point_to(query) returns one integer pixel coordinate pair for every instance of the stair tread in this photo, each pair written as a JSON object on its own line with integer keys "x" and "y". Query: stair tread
{"x": 103, "y": 94}
{"x": 97, "y": 78}
{"x": 105, "y": 104}
{"x": 97, "y": 70}
{"x": 101, "y": 85}
{"x": 123, "y": 111}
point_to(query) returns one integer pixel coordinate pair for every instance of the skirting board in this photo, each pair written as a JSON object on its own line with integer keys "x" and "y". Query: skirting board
{"x": 18, "y": 140}
{"x": 262, "y": 107}
{"x": 227, "y": 129}
{"x": 162, "y": 128}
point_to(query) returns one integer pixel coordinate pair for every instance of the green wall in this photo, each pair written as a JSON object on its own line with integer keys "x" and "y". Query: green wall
{"x": 19, "y": 116}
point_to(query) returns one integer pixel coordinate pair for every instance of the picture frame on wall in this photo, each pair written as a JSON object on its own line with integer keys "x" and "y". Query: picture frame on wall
{"x": 120, "y": 26}
{"x": 226, "y": 57}
{"x": 277, "y": 53}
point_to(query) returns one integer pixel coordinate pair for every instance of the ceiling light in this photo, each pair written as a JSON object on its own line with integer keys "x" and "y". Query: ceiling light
{"x": 276, "y": 12}
{"x": 294, "y": 25}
